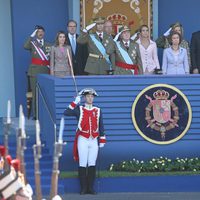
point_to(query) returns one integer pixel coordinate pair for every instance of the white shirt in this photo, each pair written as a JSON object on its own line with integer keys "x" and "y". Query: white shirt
{"x": 41, "y": 42}
{"x": 99, "y": 34}
{"x": 70, "y": 36}
{"x": 128, "y": 43}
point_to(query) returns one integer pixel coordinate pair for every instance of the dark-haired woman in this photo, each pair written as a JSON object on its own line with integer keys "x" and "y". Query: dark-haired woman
{"x": 59, "y": 62}
{"x": 148, "y": 51}
{"x": 175, "y": 59}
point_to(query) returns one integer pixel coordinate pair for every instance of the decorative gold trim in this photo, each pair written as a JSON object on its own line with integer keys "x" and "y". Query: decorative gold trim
{"x": 186, "y": 101}
{"x": 150, "y": 13}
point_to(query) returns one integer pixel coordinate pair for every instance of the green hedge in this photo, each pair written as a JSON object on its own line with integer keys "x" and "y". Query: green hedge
{"x": 162, "y": 164}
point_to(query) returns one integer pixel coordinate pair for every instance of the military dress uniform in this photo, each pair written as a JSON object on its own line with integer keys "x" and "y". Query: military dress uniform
{"x": 39, "y": 63}
{"x": 121, "y": 67}
{"x": 97, "y": 63}
{"x": 127, "y": 57}
{"x": 89, "y": 133}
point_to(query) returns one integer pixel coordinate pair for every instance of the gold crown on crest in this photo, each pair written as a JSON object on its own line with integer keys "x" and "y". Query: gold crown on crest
{"x": 117, "y": 18}
{"x": 161, "y": 94}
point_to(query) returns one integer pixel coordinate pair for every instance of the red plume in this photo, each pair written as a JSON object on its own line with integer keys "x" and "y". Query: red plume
{"x": 16, "y": 164}
{"x": 9, "y": 159}
{"x": 2, "y": 150}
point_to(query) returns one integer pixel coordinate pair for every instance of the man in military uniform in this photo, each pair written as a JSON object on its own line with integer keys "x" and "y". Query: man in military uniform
{"x": 127, "y": 54}
{"x": 90, "y": 132}
{"x": 98, "y": 62}
{"x": 39, "y": 50}
{"x": 108, "y": 28}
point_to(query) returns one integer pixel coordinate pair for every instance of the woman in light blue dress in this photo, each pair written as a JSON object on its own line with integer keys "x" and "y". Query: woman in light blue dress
{"x": 175, "y": 59}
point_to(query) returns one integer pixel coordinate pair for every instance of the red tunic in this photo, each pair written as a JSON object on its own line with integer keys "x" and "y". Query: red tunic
{"x": 88, "y": 124}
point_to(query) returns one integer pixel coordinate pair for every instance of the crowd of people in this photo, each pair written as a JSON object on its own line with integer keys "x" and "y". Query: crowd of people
{"x": 100, "y": 52}
{"x": 97, "y": 51}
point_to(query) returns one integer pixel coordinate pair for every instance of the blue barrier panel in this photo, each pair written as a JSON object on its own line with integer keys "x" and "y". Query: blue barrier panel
{"x": 116, "y": 96}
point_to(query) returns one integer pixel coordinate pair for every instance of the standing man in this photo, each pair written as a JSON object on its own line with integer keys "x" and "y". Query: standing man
{"x": 89, "y": 137}
{"x": 127, "y": 54}
{"x": 98, "y": 62}
{"x": 195, "y": 52}
{"x": 108, "y": 28}
{"x": 79, "y": 51}
{"x": 40, "y": 50}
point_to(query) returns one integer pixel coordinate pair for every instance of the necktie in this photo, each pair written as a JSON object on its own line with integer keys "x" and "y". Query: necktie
{"x": 41, "y": 43}
{"x": 100, "y": 37}
{"x": 126, "y": 45}
{"x": 73, "y": 44}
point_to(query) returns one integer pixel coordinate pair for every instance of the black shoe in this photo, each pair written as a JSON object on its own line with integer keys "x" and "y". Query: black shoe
{"x": 91, "y": 191}
{"x": 82, "y": 192}
{"x": 91, "y": 179}
{"x": 83, "y": 180}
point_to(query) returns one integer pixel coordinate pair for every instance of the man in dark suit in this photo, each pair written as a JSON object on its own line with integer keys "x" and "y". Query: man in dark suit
{"x": 79, "y": 51}
{"x": 195, "y": 52}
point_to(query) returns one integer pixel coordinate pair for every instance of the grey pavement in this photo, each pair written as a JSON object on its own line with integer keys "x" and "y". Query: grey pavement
{"x": 133, "y": 196}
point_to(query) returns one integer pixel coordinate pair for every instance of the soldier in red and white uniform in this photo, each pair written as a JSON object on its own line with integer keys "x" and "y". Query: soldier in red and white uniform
{"x": 89, "y": 137}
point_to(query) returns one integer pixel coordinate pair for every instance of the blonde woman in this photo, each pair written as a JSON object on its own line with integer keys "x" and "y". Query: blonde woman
{"x": 164, "y": 40}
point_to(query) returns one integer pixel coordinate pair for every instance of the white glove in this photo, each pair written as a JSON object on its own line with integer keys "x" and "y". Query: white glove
{"x": 134, "y": 36}
{"x": 77, "y": 100}
{"x": 29, "y": 189}
{"x": 89, "y": 27}
{"x": 57, "y": 197}
{"x": 34, "y": 33}
{"x": 117, "y": 36}
{"x": 167, "y": 33}
{"x": 101, "y": 145}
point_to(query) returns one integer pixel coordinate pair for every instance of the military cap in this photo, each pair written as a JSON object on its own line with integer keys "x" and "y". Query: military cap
{"x": 39, "y": 27}
{"x": 88, "y": 91}
{"x": 99, "y": 20}
{"x": 124, "y": 28}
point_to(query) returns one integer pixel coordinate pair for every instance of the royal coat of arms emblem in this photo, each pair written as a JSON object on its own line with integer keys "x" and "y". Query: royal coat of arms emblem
{"x": 161, "y": 114}
{"x": 165, "y": 112}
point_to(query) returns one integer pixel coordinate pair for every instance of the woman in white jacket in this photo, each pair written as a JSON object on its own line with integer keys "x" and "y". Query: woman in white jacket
{"x": 148, "y": 51}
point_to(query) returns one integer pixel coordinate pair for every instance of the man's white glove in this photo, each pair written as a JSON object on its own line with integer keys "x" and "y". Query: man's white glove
{"x": 101, "y": 145}
{"x": 134, "y": 36}
{"x": 195, "y": 71}
{"x": 29, "y": 190}
{"x": 57, "y": 197}
{"x": 89, "y": 27}
{"x": 167, "y": 33}
{"x": 117, "y": 36}
{"x": 34, "y": 33}
{"x": 77, "y": 100}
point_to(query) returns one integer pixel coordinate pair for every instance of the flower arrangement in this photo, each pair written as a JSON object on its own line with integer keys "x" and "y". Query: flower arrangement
{"x": 161, "y": 164}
